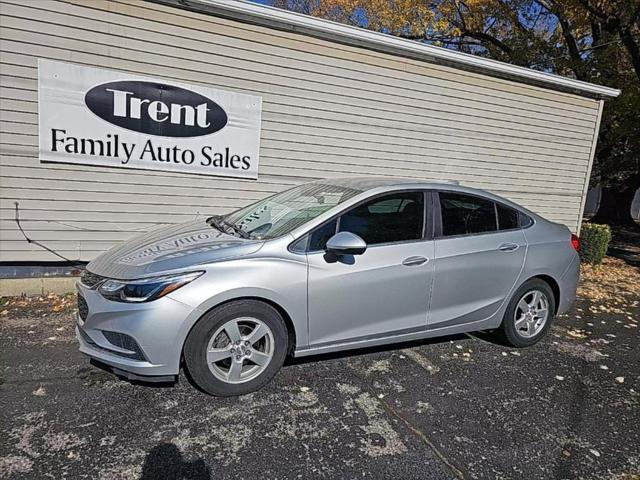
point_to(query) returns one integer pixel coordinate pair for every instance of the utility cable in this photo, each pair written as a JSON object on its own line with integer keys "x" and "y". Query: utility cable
{"x": 35, "y": 242}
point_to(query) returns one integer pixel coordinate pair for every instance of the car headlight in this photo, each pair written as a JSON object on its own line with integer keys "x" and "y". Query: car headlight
{"x": 145, "y": 289}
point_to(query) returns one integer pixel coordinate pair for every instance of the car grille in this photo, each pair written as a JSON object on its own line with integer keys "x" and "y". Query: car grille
{"x": 83, "y": 308}
{"x": 90, "y": 280}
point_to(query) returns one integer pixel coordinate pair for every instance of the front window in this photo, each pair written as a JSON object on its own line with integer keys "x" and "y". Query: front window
{"x": 397, "y": 217}
{"x": 284, "y": 212}
{"x": 320, "y": 236}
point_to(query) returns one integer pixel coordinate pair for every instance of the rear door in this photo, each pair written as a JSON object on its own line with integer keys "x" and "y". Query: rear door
{"x": 479, "y": 255}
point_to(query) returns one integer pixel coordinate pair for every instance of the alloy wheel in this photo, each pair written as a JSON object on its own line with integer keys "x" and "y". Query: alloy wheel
{"x": 240, "y": 350}
{"x": 532, "y": 313}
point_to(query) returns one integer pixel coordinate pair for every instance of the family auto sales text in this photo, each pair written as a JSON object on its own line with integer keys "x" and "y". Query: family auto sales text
{"x": 113, "y": 147}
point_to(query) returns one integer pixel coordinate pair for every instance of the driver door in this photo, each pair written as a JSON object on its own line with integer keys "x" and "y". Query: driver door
{"x": 385, "y": 290}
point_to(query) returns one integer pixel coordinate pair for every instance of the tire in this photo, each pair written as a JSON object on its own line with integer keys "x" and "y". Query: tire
{"x": 528, "y": 331}
{"x": 211, "y": 357}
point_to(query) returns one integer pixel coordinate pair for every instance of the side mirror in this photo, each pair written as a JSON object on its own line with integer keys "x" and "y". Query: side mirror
{"x": 346, "y": 243}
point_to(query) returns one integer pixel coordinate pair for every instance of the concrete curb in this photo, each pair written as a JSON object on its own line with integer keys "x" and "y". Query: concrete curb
{"x": 14, "y": 287}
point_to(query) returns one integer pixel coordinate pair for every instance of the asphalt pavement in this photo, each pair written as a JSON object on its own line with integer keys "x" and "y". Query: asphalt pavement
{"x": 461, "y": 407}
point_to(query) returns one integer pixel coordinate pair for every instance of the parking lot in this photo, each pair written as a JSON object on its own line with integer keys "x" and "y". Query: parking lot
{"x": 456, "y": 407}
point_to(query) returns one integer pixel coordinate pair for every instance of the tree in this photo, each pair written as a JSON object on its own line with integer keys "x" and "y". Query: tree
{"x": 591, "y": 40}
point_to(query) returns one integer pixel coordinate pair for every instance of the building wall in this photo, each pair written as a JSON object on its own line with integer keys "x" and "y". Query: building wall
{"x": 328, "y": 110}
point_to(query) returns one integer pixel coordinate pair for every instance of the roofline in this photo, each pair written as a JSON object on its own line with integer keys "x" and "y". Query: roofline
{"x": 249, "y": 12}
{"x": 423, "y": 185}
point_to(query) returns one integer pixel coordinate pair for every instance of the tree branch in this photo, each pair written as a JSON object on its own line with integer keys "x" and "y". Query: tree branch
{"x": 490, "y": 39}
{"x": 572, "y": 47}
{"x": 594, "y": 10}
{"x": 632, "y": 47}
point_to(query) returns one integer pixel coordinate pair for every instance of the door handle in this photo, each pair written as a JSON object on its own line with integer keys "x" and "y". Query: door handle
{"x": 414, "y": 261}
{"x": 508, "y": 247}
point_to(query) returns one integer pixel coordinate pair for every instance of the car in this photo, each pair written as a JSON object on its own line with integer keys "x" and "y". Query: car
{"x": 324, "y": 266}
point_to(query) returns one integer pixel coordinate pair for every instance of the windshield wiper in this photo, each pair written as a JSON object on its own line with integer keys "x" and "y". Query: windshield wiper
{"x": 216, "y": 222}
{"x": 219, "y": 222}
{"x": 236, "y": 229}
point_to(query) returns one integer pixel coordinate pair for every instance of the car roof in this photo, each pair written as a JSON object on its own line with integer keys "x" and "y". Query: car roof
{"x": 368, "y": 183}
{"x": 365, "y": 184}
{"x": 371, "y": 186}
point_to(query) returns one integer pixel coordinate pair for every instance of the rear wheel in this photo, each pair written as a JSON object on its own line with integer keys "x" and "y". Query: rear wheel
{"x": 529, "y": 314}
{"x": 236, "y": 348}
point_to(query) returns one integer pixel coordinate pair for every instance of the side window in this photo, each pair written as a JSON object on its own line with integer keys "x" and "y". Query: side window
{"x": 507, "y": 217}
{"x": 525, "y": 220}
{"x": 397, "y": 217}
{"x": 319, "y": 237}
{"x": 466, "y": 214}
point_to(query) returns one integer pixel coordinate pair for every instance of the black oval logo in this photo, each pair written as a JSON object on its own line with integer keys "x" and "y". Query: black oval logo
{"x": 156, "y": 109}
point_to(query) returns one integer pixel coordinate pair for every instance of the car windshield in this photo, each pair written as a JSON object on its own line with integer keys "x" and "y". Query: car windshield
{"x": 285, "y": 211}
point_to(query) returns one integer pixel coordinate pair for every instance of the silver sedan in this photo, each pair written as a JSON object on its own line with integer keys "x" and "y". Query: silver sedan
{"x": 325, "y": 266}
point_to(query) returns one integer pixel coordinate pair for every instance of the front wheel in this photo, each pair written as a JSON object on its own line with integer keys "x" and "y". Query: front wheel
{"x": 529, "y": 314}
{"x": 236, "y": 348}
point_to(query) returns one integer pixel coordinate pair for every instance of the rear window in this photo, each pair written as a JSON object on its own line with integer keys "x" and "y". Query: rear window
{"x": 525, "y": 220}
{"x": 507, "y": 217}
{"x": 466, "y": 214}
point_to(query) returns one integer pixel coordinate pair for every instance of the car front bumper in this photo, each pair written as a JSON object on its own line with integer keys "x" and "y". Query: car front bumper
{"x": 144, "y": 339}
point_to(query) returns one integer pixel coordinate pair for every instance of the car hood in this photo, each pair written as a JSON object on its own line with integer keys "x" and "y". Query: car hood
{"x": 169, "y": 248}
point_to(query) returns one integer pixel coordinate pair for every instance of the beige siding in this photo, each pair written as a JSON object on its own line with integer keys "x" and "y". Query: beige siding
{"x": 328, "y": 110}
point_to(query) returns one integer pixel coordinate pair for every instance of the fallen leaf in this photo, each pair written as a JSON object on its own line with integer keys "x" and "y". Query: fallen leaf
{"x": 576, "y": 334}
{"x": 40, "y": 392}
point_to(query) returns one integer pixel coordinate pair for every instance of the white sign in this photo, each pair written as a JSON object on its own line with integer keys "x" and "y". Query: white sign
{"x": 91, "y": 116}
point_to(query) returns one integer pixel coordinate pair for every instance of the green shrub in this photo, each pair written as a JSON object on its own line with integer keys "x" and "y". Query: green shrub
{"x": 594, "y": 241}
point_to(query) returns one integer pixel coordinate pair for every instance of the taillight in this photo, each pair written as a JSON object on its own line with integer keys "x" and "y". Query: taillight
{"x": 575, "y": 242}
